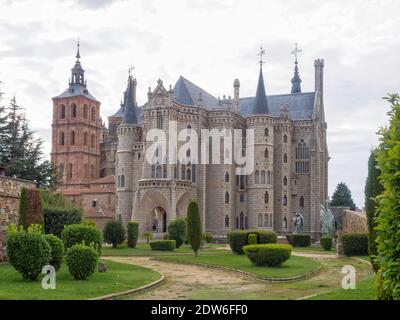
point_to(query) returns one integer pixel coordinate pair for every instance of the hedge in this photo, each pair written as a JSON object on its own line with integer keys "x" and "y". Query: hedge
{"x": 82, "y": 261}
{"x": 163, "y": 245}
{"x": 55, "y": 219}
{"x": 133, "y": 233}
{"x": 270, "y": 255}
{"x": 355, "y": 244}
{"x": 56, "y": 250}
{"x": 326, "y": 242}
{"x": 252, "y": 238}
{"x": 82, "y": 233}
{"x": 299, "y": 240}
{"x": 239, "y": 238}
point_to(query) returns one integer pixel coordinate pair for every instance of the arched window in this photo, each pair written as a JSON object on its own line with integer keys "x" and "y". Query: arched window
{"x": 188, "y": 174}
{"x": 266, "y": 153}
{"x": 302, "y": 157}
{"x": 269, "y": 177}
{"x": 183, "y": 173}
{"x": 92, "y": 140}
{"x": 260, "y": 220}
{"x": 285, "y": 138}
{"x": 285, "y": 158}
{"x": 138, "y": 156}
{"x": 188, "y": 153}
{"x": 266, "y": 220}
{"x": 85, "y": 111}
{"x": 93, "y": 114}
{"x": 72, "y": 138}
{"x": 175, "y": 173}
{"x": 226, "y": 221}
{"x": 194, "y": 173}
{"x": 164, "y": 166}
{"x": 158, "y": 172}
{"x": 159, "y": 120}
{"x": 62, "y": 138}
{"x": 153, "y": 171}
{"x": 227, "y": 197}
{"x": 241, "y": 198}
{"x": 189, "y": 129}
{"x": 70, "y": 172}
{"x": 266, "y": 197}
{"x": 123, "y": 181}
{"x": 62, "y": 112}
{"x": 285, "y": 222}
{"x": 241, "y": 221}
{"x": 237, "y": 222}
{"x": 257, "y": 177}
{"x": 285, "y": 181}
{"x": 226, "y": 177}
{"x": 85, "y": 138}
{"x": 73, "y": 110}
{"x": 263, "y": 177}
{"x": 92, "y": 171}
{"x": 285, "y": 200}
{"x": 302, "y": 202}
{"x": 266, "y": 132}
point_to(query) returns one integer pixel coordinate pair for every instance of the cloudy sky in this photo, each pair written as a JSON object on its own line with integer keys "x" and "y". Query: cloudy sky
{"x": 211, "y": 43}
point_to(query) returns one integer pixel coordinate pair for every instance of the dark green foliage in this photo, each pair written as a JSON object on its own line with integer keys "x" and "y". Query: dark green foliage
{"x": 163, "y": 245}
{"x": 252, "y": 239}
{"x": 56, "y": 251}
{"x": 270, "y": 255}
{"x": 114, "y": 233}
{"x": 355, "y": 244}
{"x": 82, "y": 233}
{"x": 56, "y": 218}
{"x": 207, "y": 237}
{"x": 388, "y": 220}
{"x": 27, "y": 250}
{"x": 148, "y": 235}
{"x": 342, "y": 197}
{"x": 326, "y": 242}
{"x": 133, "y": 233}
{"x": 194, "y": 232}
{"x": 30, "y": 208}
{"x": 373, "y": 188}
{"x": 239, "y": 238}
{"x": 82, "y": 261}
{"x": 177, "y": 231}
{"x": 299, "y": 240}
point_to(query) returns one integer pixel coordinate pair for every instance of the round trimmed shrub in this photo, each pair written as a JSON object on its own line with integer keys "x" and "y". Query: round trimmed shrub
{"x": 252, "y": 239}
{"x": 208, "y": 237}
{"x": 270, "y": 255}
{"x": 239, "y": 238}
{"x": 177, "y": 231}
{"x": 133, "y": 233}
{"x": 82, "y": 261}
{"x": 355, "y": 244}
{"x": 163, "y": 245}
{"x": 56, "y": 250}
{"x": 299, "y": 240}
{"x": 326, "y": 242}
{"x": 114, "y": 233}
{"x": 27, "y": 251}
{"x": 78, "y": 233}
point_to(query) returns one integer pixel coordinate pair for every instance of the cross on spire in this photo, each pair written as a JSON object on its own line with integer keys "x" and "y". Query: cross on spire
{"x": 296, "y": 51}
{"x": 78, "y": 55}
{"x": 262, "y": 52}
{"x": 130, "y": 69}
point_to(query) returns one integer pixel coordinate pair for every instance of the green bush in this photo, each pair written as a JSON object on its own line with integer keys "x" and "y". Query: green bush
{"x": 194, "y": 232}
{"x": 114, "y": 233}
{"x": 56, "y": 250}
{"x": 251, "y": 239}
{"x": 355, "y": 244}
{"x": 207, "y": 237}
{"x": 177, "y": 231}
{"x": 78, "y": 233}
{"x": 148, "y": 235}
{"x": 299, "y": 240}
{"x": 56, "y": 218}
{"x": 239, "y": 238}
{"x": 326, "y": 242}
{"x": 163, "y": 245}
{"x": 270, "y": 255}
{"x": 82, "y": 261}
{"x": 27, "y": 250}
{"x": 133, "y": 233}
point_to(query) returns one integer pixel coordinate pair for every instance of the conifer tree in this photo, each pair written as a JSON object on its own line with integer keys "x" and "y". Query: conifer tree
{"x": 194, "y": 230}
{"x": 342, "y": 197}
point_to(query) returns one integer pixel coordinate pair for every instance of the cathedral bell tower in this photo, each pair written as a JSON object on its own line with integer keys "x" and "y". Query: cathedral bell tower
{"x": 76, "y": 132}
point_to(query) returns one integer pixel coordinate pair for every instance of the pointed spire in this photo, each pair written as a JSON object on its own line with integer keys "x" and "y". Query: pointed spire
{"x": 260, "y": 103}
{"x": 78, "y": 55}
{"x": 296, "y": 81}
{"x": 130, "y": 116}
{"x": 77, "y": 72}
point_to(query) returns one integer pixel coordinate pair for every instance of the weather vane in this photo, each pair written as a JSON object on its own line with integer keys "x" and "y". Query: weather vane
{"x": 130, "y": 70}
{"x": 262, "y": 52}
{"x": 296, "y": 51}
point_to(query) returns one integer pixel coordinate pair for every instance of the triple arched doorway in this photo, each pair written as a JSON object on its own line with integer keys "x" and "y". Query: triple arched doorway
{"x": 159, "y": 220}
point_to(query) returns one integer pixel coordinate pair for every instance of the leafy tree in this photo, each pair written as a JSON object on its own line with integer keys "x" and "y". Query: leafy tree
{"x": 388, "y": 219}
{"x": 20, "y": 152}
{"x": 342, "y": 197}
{"x": 114, "y": 233}
{"x": 177, "y": 231}
{"x": 194, "y": 232}
{"x": 373, "y": 188}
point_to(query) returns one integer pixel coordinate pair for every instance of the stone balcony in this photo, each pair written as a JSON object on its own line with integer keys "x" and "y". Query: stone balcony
{"x": 164, "y": 183}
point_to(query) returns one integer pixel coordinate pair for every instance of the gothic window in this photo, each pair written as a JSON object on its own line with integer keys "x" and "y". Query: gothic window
{"x": 285, "y": 181}
{"x": 266, "y": 153}
{"x": 189, "y": 129}
{"x": 62, "y": 138}
{"x": 263, "y": 177}
{"x": 73, "y": 135}
{"x": 175, "y": 173}
{"x": 241, "y": 197}
{"x": 226, "y": 221}
{"x": 270, "y": 220}
{"x": 285, "y": 138}
{"x": 266, "y": 132}
{"x": 285, "y": 222}
{"x": 302, "y": 158}
{"x": 73, "y": 110}
{"x": 266, "y": 197}
{"x": 285, "y": 158}
{"x": 94, "y": 203}
{"x": 85, "y": 138}
{"x": 188, "y": 153}
{"x": 158, "y": 172}
{"x": 188, "y": 174}
{"x": 85, "y": 111}
{"x": 153, "y": 171}
{"x": 266, "y": 220}
{"x": 159, "y": 120}
{"x": 241, "y": 221}
{"x": 70, "y": 173}
{"x": 237, "y": 222}
{"x": 194, "y": 172}
{"x": 302, "y": 202}
{"x": 92, "y": 171}
{"x": 226, "y": 177}
{"x": 164, "y": 171}
{"x": 285, "y": 200}
{"x": 227, "y": 197}
{"x": 257, "y": 177}
{"x": 260, "y": 220}
{"x": 269, "y": 178}
{"x": 138, "y": 156}
{"x": 92, "y": 141}
{"x": 183, "y": 173}
{"x": 122, "y": 181}
{"x": 93, "y": 114}
{"x": 62, "y": 112}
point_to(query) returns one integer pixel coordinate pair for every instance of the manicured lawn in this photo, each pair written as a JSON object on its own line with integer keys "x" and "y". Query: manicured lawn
{"x": 119, "y": 277}
{"x": 295, "y": 266}
{"x": 143, "y": 249}
{"x": 314, "y": 249}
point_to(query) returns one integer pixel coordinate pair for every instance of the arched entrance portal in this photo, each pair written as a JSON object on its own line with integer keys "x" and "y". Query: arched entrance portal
{"x": 159, "y": 220}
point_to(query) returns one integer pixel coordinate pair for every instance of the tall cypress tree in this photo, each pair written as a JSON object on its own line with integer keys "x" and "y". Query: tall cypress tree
{"x": 373, "y": 188}
{"x": 342, "y": 197}
{"x": 194, "y": 231}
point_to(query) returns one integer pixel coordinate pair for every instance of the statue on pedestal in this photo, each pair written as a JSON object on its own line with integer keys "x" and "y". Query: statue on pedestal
{"x": 298, "y": 222}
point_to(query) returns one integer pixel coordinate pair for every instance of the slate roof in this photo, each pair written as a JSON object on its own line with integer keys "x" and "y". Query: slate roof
{"x": 76, "y": 90}
{"x": 260, "y": 101}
